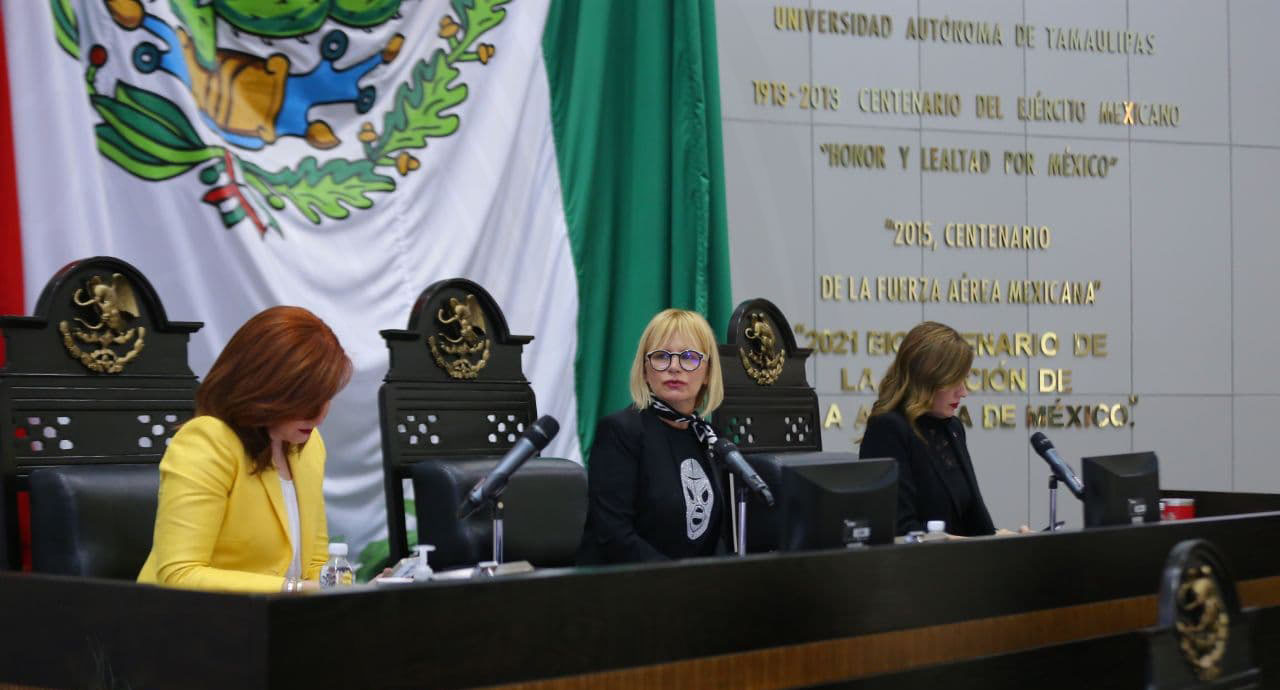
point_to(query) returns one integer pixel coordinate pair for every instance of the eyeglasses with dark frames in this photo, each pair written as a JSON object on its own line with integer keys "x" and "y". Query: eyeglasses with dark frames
{"x": 660, "y": 360}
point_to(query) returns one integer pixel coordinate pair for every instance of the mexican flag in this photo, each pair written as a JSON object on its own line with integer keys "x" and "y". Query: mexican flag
{"x": 342, "y": 155}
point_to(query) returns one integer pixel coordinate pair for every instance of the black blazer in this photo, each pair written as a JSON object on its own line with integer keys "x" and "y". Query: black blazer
{"x": 923, "y": 493}
{"x": 637, "y": 508}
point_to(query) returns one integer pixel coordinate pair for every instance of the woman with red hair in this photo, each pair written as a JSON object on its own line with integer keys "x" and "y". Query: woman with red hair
{"x": 241, "y": 484}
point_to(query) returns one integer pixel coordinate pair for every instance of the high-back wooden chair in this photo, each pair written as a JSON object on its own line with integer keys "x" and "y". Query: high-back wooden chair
{"x": 769, "y": 411}
{"x": 769, "y": 406}
{"x": 97, "y": 376}
{"x": 454, "y": 400}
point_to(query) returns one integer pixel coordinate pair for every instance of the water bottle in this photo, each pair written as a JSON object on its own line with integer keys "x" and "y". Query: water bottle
{"x": 337, "y": 571}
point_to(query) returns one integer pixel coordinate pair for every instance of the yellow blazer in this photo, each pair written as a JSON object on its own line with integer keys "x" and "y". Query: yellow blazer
{"x": 220, "y": 527}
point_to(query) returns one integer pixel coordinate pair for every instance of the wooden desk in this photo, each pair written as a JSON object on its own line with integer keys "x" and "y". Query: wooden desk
{"x": 767, "y": 621}
{"x": 1219, "y": 503}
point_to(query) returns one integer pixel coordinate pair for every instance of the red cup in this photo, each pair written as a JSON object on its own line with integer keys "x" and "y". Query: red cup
{"x": 1177, "y": 508}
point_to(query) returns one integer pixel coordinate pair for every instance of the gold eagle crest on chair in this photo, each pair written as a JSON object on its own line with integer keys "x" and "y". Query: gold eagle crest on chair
{"x": 761, "y": 357}
{"x": 1203, "y": 623}
{"x": 461, "y": 346}
{"x": 114, "y": 304}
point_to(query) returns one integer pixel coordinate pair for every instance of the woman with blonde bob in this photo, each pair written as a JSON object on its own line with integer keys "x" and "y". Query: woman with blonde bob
{"x": 913, "y": 422}
{"x": 654, "y": 492}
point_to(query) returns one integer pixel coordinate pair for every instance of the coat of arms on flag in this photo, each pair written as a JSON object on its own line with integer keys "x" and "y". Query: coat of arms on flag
{"x": 300, "y": 57}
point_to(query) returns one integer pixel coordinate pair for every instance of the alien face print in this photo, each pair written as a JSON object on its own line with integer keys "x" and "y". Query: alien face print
{"x": 698, "y": 498}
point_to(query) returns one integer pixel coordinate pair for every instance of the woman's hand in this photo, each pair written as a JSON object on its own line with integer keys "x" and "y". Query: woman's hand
{"x": 293, "y": 585}
{"x": 1002, "y": 532}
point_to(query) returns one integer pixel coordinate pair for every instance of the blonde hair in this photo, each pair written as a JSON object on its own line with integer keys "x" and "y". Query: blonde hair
{"x": 691, "y": 326}
{"x": 933, "y": 356}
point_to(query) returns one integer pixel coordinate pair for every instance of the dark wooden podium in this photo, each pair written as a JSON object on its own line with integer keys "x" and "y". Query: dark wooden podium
{"x": 1003, "y": 609}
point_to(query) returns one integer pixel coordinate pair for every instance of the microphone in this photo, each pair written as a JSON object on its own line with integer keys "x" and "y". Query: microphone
{"x": 534, "y": 439}
{"x": 1061, "y": 470}
{"x": 733, "y": 458}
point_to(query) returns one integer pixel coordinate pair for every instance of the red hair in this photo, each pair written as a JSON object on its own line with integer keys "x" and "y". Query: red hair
{"x": 284, "y": 364}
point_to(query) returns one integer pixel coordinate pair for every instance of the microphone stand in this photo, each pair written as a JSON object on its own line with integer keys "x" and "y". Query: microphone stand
{"x": 1053, "y": 503}
{"x": 738, "y": 514}
{"x": 495, "y": 512}
{"x": 741, "y": 492}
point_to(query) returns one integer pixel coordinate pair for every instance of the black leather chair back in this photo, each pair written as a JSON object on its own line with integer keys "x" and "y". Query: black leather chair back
{"x": 94, "y": 521}
{"x": 544, "y": 511}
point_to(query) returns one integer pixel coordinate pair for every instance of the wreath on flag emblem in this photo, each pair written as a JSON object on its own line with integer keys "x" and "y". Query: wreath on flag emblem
{"x": 252, "y": 101}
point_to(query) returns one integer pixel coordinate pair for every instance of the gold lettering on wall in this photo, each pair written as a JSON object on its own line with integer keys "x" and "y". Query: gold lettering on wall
{"x": 832, "y": 22}
{"x": 909, "y": 102}
{"x": 1074, "y": 39}
{"x": 962, "y": 290}
{"x": 948, "y": 30}
{"x": 1023, "y": 363}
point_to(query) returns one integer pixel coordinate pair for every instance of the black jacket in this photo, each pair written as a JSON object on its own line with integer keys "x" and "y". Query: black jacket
{"x": 639, "y": 500}
{"x": 923, "y": 493}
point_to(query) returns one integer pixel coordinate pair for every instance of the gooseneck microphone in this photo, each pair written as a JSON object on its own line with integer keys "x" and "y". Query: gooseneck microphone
{"x": 1061, "y": 470}
{"x": 732, "y": 457}
{"x": 534, "y": 439}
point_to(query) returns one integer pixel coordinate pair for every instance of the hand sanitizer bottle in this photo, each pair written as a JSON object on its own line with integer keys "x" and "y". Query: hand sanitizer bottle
{"x": 422, "y": 571}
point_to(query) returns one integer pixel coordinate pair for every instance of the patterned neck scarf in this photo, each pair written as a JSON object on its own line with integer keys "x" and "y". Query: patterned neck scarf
{"x": 701, "y": 428}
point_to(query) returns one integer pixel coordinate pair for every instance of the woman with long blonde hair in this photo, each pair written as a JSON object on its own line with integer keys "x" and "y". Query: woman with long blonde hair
{"x": 913, "y": 421}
